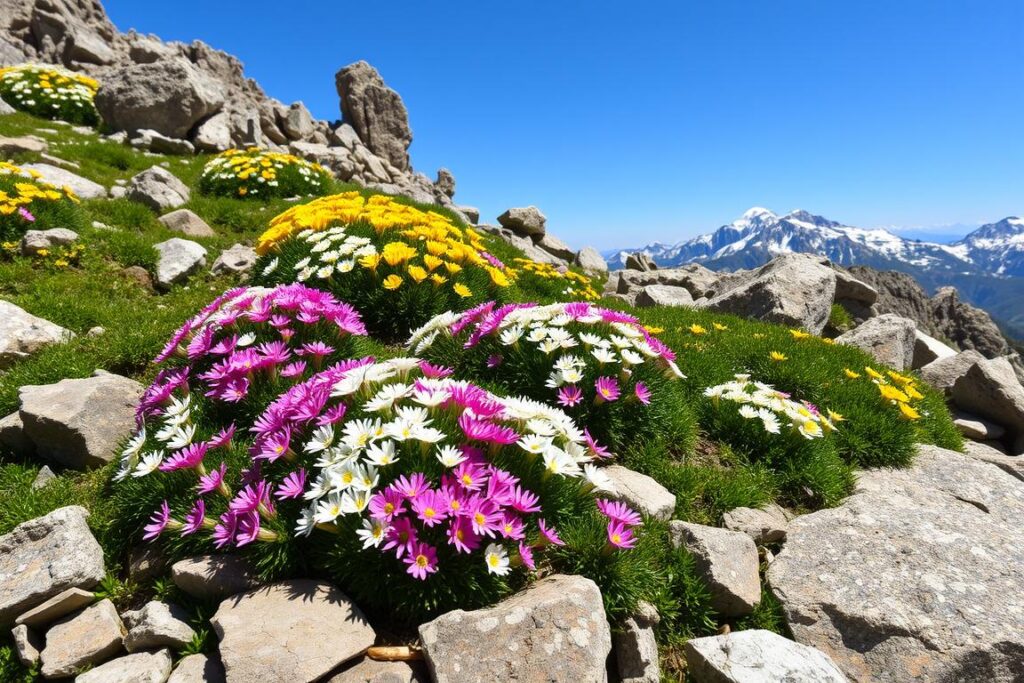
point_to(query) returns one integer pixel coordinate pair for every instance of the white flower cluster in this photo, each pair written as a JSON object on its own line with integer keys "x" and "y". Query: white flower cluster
{"x": 33, "y": 86}
{"x": 759, "y": 401}
{"x": 333, "y": 252}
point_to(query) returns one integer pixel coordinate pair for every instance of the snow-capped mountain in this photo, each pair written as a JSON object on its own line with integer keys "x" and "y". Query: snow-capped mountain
{"x": 759, "y": 235}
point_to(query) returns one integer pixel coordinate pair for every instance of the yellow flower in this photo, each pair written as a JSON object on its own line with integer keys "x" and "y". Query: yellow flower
{"x": 891, "y": 393}
{"x": 654, "y": 330}
{"x": 497, "y": 277}
{"x": 417, "y": 273}
{"x": 913, "y": 393}
{"x": 432, "y": 262}
{"x": 370, "y": 261}
{"x": 835, "y": 417}
{"x": 438, "y": 279}
{"x": 393, "y": 282}
{"x": 397, "y": 253}
{"x": 909, "y": 412}
{"x": 243, "y": 190}
{"x": 874, "y": 374}
{"x": 698, "y": 329}
{"x": 452, "y": 268}
{"x": 462, "y": 290}
{"x": 799, "y": 334}
{"x": 720, "y": 327}
{"x": 758, "y": 335}
{"x": 851, "y": 374}
{"x": 778, "y": 357}
{"x": 826, "y": 340}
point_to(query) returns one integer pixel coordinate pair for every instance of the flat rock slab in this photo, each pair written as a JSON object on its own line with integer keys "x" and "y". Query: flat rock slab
{"x": 60, "y": 605}
{"x": 641, "y": 492}
{"x": 44, "y": 556}
{"x": 757, "y": 656}
{"x": 555, "y": 630}
{"x": 22, "y": 334}
{"x": 213, "y": 577}
{"x": 916, "y": 577}
{"x": 976, "y": 428}
{"x": 728, "y": 562}
{"x": 82, "y": 187}
{"x": 289, "y": 631}
{"x": 79, "y": 423}
{"x": 765, "y": 525}
{"x": 143, "y": 667}
{"x": 89, "y": 637}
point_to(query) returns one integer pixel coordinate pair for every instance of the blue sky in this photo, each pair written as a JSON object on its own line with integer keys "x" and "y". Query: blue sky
{"x": 629, "y": 123}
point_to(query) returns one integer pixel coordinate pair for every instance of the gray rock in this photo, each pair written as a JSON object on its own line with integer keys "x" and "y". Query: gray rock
{"x": 641, "y": 492}
{"x": 145, "y": 562}
{"x": 89, "y": 637}
{"x": 157, "y": 624}
{"x": 211, "y": 577}
{"x": 524, "y": 221}
{"x": 590, "y": 260}
{"x": 238, "y": 259}
{"x": 344, "y": 136}
{"x": 20, "y": 145}
{"x": 57, "y": 607}
{"x": 555, "y": 630}
{"x": 792, "y": 289}
{"x": 636, "y": 648}
{"x": 44, "y": 477}
{"x": 94, "y": 332}
{"x": 142, "y": 667}
{"x": 992, "y": 453}
{"x": 161, "y": 144}
{"x": 943, "y": 373}
{"x": 12, "y": 436}
{"x": 198, "y": 669}
{"x": 911, "y": 578}
{"x": 178, "y": 260}
{"x": 375, "y": 112}
{"x": 370, "y": 671}
{"x": 79, "y": 423}
{"x": 87, "y": 46}
{"x": 5, "y": 108}
{"x": 35, "y": 240}
{"x": 82, "y": 187}
{"x": 764, "y": 526}
{"x": 297, "y": 123}
{"x": 663, "y": 295}
{"x": 641, "y": 261}
{"x": 187, "y": 223}
{"x": 471, "y": 213}
{"x": 928, "y": 349}
{"x": 27, "y": 645}
{"x": 556, "y": 247}
{"x": 757, "y": 656}
{"x": 728, "y": 562}
{"x": 889, "y": 338}
{"x": 974, "y": 427}
{"x": 445, "y": 184}
{"x": 169, "y": 96}
{"x": 213, "y": 134}
{"x": 278, "y": 632}
{"x": 990, "y": 390}
{"x": 118, "y": 192}
{"x": 45, "y": 556}
{"x": 849, "y": 288}
{"x": 157, "y": 188}
{"x": 22, "y": 334}
{"x": 57, "y": 161}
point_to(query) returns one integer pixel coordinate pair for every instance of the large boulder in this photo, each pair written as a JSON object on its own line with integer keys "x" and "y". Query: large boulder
{"x": 178, "y": 259}
{"x": 42, "y": 557}
{"x": 728, "y": 563}
{"x": 213, "y": 134}
{"x": 888, "y": 338}
{"x": 22, "y": 334}
{"x": 555, "y": 630}
{"x": 942, "y": 373}
{"x": 375, "y": 112}
{"x": 757, "y": 656}
{"x": 525, "y": 221}
{"x": 590, "y": 260}
{"x": 83, "y": 188}
{"x": 169, "y": 96}
{"x": 34, "y": 241}
{"x": 79, "y": 423}
{"x": 915, "y": 577}
{"x": 663, "y": 295}
{"x": 966, "y": 326}
{"x": 157, "y": 188}
{"x": 641, "y": 261}
{"x": 297, "y": 123}
{"x": 990, "y": 453}
{"x": 792, "y": 289}
{"x": 990, "y": 390}
{"x": 89, "y": 637}
{"x": 928, "y": 349}
{"x": 290, "y": 631}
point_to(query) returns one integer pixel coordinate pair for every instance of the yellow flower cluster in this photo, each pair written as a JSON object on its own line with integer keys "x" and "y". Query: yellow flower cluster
{"x": 19, "y": 188}
{"x": 894, "y": 388}
{"x": 259, "y": 172}
{"x": 415, "y": 245}
{"x": 577, "y": 285}
{"x": 50, "y": 91}
{"x": 63, "y": 257}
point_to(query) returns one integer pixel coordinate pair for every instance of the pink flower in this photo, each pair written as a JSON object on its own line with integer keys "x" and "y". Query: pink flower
{"x": 494, "y": 360}
{"x": 434, "y": 371}
{"x": 642, "y": 393}
{"x": 430, "y": 507}
{"x": 461, "y": 535}
{"x": 224, "y": 532}
{"x": 195, "y": 518}
{"x": 189, "y": 457}
{"x": 524, "y": 501}
{"x": 619, "y": 512}
{"x": 387, "y": 505}
{"x": 401, "y": 536}
{"x": 292, "y": 486}
{"x": 24, "y": 213}
{"x": 479, "y": 430}
{"x": 296, "y": 369}
{"x": 213, "y": 480}
{"x": 332, "y": 415}
{"x": 483, "y": 515}
{"x": 548, "y": 534}
{"x": 422, "y": 560}
{"x": 470, "y": 476}
{"x": 569, "y": 395}
{"x": 511, "y": 527}
{"x": 411, "y": 486}
{"x": 607, "y": 389}
{"x": 158, "y": 522}
{"x": 526, "y": 556}
{"x": 620, "y": 535}
{"x": 594, "y": 447}
{"x": 248, "y": 529}
{"x": 222, "y": 439}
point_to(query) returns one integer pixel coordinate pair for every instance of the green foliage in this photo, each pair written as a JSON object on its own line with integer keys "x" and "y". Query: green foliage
{"x": 11, "y": 670}
{"x": 255, "y": 173}
{"x": 50, "y": 92}
{"x": 839, "y": 319}
{"x": 27, "y": 203}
